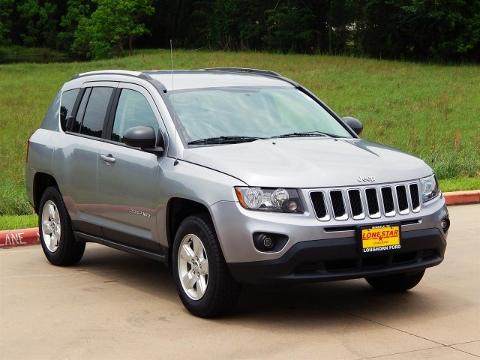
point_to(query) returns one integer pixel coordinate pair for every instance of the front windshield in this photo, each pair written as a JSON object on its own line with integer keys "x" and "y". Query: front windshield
{"x": 251, "y": 112}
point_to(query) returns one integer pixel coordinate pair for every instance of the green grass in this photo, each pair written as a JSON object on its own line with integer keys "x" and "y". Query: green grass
{"x": 460, "y": 184}
{"x": 10, "y": 222}
{"x": 432, "y": 111}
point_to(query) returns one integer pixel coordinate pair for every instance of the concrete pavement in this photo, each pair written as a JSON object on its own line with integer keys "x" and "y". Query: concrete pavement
{"x": 119, "y": 306}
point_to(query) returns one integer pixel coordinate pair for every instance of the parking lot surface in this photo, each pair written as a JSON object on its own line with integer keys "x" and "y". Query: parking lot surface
{"x": 119, "y": 306}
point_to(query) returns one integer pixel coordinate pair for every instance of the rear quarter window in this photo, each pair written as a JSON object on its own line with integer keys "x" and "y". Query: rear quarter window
{"x": 50, "y": 121}
{"x": 67, "y": 104}
{"x": 81, "y": 110}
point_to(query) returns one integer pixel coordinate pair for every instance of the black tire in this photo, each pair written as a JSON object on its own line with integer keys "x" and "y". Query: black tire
{"x": 222, "y": 292}
{"x": 69, "y": 251}
{"x": 396, "y": 282}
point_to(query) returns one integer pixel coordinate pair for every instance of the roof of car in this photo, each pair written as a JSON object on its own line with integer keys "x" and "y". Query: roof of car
{"x": 203, "y": 78}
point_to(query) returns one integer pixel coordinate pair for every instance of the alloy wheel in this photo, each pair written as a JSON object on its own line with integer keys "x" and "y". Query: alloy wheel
{"x": 51, "y": 226}
{"x": 193, "y": 266}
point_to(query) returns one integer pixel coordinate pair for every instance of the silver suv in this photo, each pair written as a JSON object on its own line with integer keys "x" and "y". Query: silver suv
{"x": 229, "y": 176}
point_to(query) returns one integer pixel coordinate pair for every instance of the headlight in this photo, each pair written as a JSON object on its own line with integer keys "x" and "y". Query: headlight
{"x": 268, "y": 199}
{"x": 429, "y": 188}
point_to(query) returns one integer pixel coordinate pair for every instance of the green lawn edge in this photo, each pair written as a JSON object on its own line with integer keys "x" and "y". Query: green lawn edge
{"x": 11, "y": 222}
{"x": 459, "y": 184}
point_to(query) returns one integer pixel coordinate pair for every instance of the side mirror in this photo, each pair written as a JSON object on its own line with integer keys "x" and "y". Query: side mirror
{"x": 143, "y": 137}
{"x": 355, "y": 124}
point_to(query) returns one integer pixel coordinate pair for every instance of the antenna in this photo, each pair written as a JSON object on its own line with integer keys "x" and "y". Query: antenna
{"x": 175, "y": 163}
{"x": 171, "y": 58}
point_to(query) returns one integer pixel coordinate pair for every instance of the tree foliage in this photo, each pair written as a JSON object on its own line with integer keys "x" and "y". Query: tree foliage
{"x": 38, "y": 21}
{"x": 446, "y": 30}
{"x": 6, "y": 12}
{"x": 77, "y": 11}
{"x": 282, "y": 20}
{"x": 441, "y": 29}
{"x": 112, "y": 27}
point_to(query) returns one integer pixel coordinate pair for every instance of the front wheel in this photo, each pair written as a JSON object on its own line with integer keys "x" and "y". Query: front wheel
{"x": 203, "y": 280}
{"x": 396, "y": 282}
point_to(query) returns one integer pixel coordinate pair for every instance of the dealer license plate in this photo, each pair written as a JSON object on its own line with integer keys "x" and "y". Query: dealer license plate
{"x": 380, "y": 238}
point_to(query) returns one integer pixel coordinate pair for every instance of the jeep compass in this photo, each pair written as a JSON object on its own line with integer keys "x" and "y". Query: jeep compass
{"x": 229, "y": 176}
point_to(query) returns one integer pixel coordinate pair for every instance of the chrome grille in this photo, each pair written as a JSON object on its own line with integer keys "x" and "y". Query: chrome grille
{"x": 366, "y": 201}
{"x": 372, "y": 203}
{"x": 338, "y": 205}
{"x": 402, "y": 200}
{"x": 415, "y": 197}
{"x": 356, "y": 204}
{"x": 318, "y": 201}
{"x": 388, "y": 202}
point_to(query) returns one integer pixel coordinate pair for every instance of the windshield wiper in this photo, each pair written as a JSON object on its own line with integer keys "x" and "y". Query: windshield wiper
{"x": 224, "y": 140}
{"x": 305, "y": 133}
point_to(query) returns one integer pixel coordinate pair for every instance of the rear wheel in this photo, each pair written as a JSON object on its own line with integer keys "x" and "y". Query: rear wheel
{"x": 203, "y": 280}
{"x": 56, "y": 235}
{"x": 396, "y": 282}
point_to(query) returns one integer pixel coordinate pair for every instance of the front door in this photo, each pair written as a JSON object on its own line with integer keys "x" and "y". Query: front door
{"x": 130, "y": 178}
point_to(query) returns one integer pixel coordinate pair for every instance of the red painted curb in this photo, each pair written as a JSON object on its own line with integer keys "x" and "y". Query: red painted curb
{"x": 21, "y": 237}
{"x": 462, "y": 197}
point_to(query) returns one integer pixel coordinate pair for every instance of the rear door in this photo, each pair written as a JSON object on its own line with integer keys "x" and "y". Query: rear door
{"x": 129, "y": 178}
{"x": 86, "y": 131}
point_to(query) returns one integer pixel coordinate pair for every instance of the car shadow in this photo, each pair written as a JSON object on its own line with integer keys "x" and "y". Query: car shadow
{"x": 139, "y": 273}
{"x": 293, "y": 304}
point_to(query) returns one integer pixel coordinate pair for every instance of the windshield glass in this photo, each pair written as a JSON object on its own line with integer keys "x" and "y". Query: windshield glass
{"x": 251, "y": 112}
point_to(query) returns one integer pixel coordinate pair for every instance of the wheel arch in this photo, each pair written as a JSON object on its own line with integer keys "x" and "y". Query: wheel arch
{"x": 178, "y": 209}
{"x": 41, "y": 181}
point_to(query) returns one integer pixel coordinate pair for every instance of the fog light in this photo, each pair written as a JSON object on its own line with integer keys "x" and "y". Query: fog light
{"x": 263, "y": 242}
{"x": 445, "y": 224}
{"x": 267, "y": 242}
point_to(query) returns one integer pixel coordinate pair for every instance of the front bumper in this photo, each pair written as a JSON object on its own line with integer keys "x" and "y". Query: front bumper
{"x": 339, "y": 259}
{"x": 235, "y": 227}
{"x": 318, "y": 250}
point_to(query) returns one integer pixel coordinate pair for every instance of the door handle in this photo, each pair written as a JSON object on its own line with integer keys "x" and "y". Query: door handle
{"x": 109, "y": 159}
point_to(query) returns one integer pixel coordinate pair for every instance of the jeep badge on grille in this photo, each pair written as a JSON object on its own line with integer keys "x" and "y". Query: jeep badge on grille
{"x": 362, "y": 179}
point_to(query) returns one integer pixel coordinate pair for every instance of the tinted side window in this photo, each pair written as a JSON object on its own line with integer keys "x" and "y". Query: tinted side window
{"x": 95, "y": 112}
{"x": 133, "y": 109}
{"x": 68, "y": 102}
{"x": 81, "y": 110}
{"x": 50, "y": 121}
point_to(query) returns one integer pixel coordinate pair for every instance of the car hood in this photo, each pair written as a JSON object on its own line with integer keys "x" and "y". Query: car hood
{"x": 309, "y": 162}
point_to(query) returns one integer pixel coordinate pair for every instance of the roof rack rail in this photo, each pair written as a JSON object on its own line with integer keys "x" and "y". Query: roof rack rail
{"x": 245, "y": 70}
{"x": 109, "y": 72}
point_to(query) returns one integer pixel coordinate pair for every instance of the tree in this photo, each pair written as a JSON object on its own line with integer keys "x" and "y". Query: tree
{"x": 39, "y": 22}
{"x": 76, "y": 11}
{"x": 290, "y": 28}
{"x": 6, "y": 10}
{"x": 420, "y": 29}
{"x": 440, "y": 30}
{"x": 112, "y": 27}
